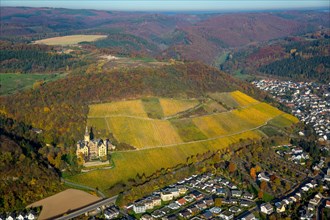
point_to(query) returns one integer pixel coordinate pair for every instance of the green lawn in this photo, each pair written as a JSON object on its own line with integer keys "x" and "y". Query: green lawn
{"x": 14, "y": 82}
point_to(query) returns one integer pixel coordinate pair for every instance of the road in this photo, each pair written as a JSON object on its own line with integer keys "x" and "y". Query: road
{"x": 88, "y": 208}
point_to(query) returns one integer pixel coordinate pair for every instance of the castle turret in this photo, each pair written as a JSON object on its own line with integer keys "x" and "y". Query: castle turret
{"x": 87, "y": 136}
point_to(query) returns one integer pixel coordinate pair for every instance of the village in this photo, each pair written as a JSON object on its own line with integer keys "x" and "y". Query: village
{"x": 308, "y": 101}
{"x": 209, "y": 196}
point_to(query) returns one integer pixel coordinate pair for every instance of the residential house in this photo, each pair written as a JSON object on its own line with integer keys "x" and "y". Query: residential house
{"x": 193, "y": 210}
{"x": 267, "y": 208}
{"x": 175, "y": 192}
{"x": 156, "y": 200}
{"x": 20, "y": 216}
{"x": 185, "y": 214}
{"x": 316, "y": 200}
{"x": 189, "y": 198}
{"x": 263, "y": 177}
{"x": 249, "y": 217}
{"x": 221, "y": 192}
{"x": 236, "y": 193}
{"x": 310, "y": 207}
{"x": 209, "y": 202}
{"x": 182, "y": 189}
{"x": 327, "y": 204}
{"x": 111, "y": 212}
{"x": 215, "y": 210}
{"x": 201, "y": 205}
{"x": 231, "y": 185}
{"x": 146, "y": 217}
{"x": 197, "y": 195}
{"x": 244, "y": 203}
{"x": 247, "y": 195}
{"x": 207, "y": 215}
{"x": 196, "y": 218}
{"x": 327, "y": 176}
{"x": 227, "y": 215}
{"x": 11, "y": 216}
{"x": 174, "y": 206}
{"x": 181, "y": 202}
{"x": 234, "y": 209}
{"x": 31, "y": 215}
{"x": 158, "y": 214}
{"x": 280, "y": 207}
{"x": 166, "y": 196}
{"x": 149, "y": 204}
{"x": 139, "y": 207}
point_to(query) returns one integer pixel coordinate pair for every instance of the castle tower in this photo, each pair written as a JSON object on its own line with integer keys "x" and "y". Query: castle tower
{"x": 87, "y": 136}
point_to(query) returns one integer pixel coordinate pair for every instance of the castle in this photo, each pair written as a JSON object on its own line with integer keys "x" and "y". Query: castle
{"x": 93, "y": 149}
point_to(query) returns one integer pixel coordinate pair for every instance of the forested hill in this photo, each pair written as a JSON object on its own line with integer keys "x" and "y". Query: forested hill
{"x": 304, "y": 57}
{"x": 24, "y": 177}
{"x": 198, "y": 37}
{"x": 29, "y": 58}
{"x": 60, "y": 108}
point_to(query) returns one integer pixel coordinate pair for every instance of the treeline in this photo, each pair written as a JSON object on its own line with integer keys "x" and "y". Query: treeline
{"x": 300, "y": 68}
{"x": 27, "y": 58}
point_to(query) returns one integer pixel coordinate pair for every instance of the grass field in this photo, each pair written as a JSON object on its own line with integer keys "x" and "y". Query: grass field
{"x": 70, "y": 40}
{"x": 14, "y": 82}
{"x": 165, "y": 143}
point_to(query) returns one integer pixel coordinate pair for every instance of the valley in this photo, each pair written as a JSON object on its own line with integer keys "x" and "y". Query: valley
{"x": 165, "y": 115}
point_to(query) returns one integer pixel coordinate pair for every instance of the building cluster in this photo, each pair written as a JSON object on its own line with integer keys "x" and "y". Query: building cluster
{"x": 111, "y": 212}
{"x": 293, "y": 153}
{"x": 24, "y": 215}
{"x": 91, "y": 149}
{"x": 307, "y": 211}
{"x": 310, "y": 102}
{"x": 195, "y": 198}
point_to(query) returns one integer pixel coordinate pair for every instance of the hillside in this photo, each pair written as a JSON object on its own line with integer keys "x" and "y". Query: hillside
{"x": 173, "y": 138}
{"x": 304, "y": 57}
{"x": 181, "y": 36}
{"x": 25, "y": 178}
{"x": 60, "y": 107}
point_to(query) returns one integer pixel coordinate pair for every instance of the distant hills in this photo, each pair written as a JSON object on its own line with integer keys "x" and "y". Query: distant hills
{"x": 182, "y": 36}
{"x": 303, "y": 57}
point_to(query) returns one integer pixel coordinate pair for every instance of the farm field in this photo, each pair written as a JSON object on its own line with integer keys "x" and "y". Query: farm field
{"x": 143, "y": 133}
{"x": 62, "y": 202}
{"x": 164, "y": 143}
{"x": 140, "y": 123}
{"x": 14, "y": 82}
{"x": 174, "y": 106}
{"x": 130, "y": 163}
{"x": 70, "y": 40}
